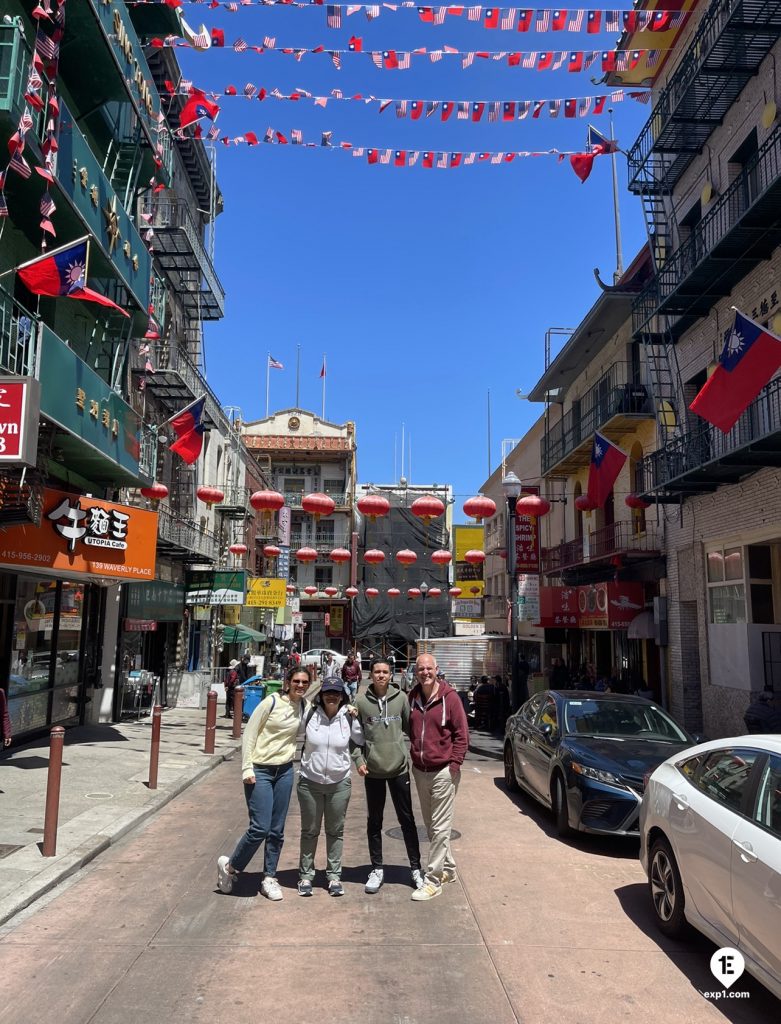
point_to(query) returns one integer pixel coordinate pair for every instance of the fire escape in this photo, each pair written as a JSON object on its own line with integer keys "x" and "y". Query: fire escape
{"x": 740, "y": 228}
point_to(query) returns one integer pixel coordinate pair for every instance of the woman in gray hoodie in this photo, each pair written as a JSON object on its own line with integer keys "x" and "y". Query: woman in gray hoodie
{"x": 324, "y": 787}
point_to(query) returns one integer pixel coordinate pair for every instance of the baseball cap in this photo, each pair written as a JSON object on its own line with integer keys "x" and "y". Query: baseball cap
{"x": 332, "y": 683}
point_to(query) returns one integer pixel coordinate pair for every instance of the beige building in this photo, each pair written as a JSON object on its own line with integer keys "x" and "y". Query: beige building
{"x": 708, "y": 168}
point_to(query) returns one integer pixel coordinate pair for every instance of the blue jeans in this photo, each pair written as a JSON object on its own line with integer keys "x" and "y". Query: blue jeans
{"x": 267, "y": 799}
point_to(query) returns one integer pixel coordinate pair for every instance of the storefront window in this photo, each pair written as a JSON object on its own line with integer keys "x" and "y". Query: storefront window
{"x": 733, "y": 563}
{"x": 715, "y": 566}
{"x": 727, "y": 604}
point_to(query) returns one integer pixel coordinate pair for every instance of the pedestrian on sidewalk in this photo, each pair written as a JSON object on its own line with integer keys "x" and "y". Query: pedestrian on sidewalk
{"x": 383, "y": 711}
{"x": 268, "y": 749}
{"x": 351, "y": 676}
{"x": 5, "y": 721}
{"x": 439, "y": 739}
{"x": 231, "y": 682}
{"x": 324, "y": 785}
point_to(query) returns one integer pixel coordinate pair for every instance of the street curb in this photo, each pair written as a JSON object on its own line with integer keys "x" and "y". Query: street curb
{"x": 77, "y": 858}
{"x": 475, "y": 748}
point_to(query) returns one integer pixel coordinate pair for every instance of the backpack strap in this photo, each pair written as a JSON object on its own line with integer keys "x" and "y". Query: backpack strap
{"x": 307, "y": 720}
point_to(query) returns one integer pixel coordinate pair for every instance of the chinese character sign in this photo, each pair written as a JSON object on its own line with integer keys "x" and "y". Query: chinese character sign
{"x": 527, "y": 545}
{"x": 264, "y": 592}
{"x": 19, "y": 416}
{"x": 469, "y": 576}
{"x": 85, "y": 536}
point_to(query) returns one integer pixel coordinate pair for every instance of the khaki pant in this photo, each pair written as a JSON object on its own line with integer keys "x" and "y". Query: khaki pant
{"x": 437, "y": 795}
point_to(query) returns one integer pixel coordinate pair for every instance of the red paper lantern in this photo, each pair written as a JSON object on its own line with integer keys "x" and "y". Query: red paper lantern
{"x": 318, "y": 504}
{"x": 271, "y": 551}
{"x": 310, "y": 591}
{"x": 455, "y": 591}
{"x": 394, "y": 592}
{"x": 441, "y": 557}
{"x": 427, "y": 508}
{"x": 210, "y": 495}
{"x": 238, "y": 549}
{"x": 373, "y": 506}
{"x": 474, "y": 590}
{"x": 474, "y": 557}
{"x": 340, "y": 555}
{"x": 351, "y": 592}
{"x": 372, "y": 592}
{"x": 156, "y": 492}
{"x": 532, "y": 505}
{"x": 306, "y": 555}
{"x": 434, "y": 592}
{"x": 480, "y": 507}
{"x": 374, "y": 556}
{"x": 413, "y": 592}
{"x": 631, "y": 501}
{"x": 406, "y": 557}
{"x": 584, "y": 504}
{"x": 331, "y": 591}
{"x": 502, "y": 553}
{"x": 267, "y": 501}
{"x": 291, "y": 588}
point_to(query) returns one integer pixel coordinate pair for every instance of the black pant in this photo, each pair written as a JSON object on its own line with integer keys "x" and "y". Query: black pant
{"x": 401, "y": 795}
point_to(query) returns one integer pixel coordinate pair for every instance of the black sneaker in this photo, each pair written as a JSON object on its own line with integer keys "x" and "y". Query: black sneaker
{"x": 335, "y": 888}
{"x": 304, "y": 887}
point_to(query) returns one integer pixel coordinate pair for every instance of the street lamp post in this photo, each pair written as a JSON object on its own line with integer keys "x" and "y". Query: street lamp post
{"x": 512, "y": 488}
{"x": 423, "y": 588}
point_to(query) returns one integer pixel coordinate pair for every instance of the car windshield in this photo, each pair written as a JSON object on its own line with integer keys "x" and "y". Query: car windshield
{"x": 620, "y": 719}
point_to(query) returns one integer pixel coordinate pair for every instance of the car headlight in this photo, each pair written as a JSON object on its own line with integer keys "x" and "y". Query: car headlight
{"x": 597, "y": 774}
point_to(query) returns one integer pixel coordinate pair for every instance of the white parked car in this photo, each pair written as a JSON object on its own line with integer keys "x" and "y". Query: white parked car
{"x": 710, "y": 827}
{"x": 315, "y": 657}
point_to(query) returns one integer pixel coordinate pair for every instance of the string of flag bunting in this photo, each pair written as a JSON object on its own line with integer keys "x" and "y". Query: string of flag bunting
{"x": 503, "y": 18}
{"x": 464, "y": 110}
{"x": 401, "y": 60}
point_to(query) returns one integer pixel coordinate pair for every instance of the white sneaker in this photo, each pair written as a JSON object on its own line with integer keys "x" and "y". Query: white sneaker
{"x": 449, "y": 876}
{"x": 417, "y": 878}
{"x": 270, "y": 889}
{"x": 427, "y": 891}
{"x": 224, "y": 876}
{"x": 374, "y": 881}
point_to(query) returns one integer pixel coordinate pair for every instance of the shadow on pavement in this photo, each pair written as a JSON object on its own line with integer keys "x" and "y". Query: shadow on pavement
{"x": 27, "y": 763}
{"x": 691, "y": 955}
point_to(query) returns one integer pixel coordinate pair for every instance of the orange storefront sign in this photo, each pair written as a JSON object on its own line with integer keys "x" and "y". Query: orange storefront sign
{"x": 81, "y": 536}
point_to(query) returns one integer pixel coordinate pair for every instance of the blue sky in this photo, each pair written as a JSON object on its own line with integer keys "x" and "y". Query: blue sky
{"x": 424, "y": 288}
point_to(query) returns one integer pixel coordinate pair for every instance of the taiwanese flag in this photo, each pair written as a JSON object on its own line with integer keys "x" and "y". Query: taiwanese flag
{"x": 508, "y": 110}
{"x": 599, "y": 104}
{"x": 525, "y": 20}
{"x": 390, "y": 60}
{"x": 491, "y": 18}
{"x": 594, "y": 22}
{"x": 373, "y": 155}
{"x": 400, "y": 160}
{"x": 570, "y": 108}
{"x": 448, "y": 106}
{"x": 559, "y": 21}
{"x": 64, "y": 272}
{"x": 484, "y": 156}
{"x": 455, "y": 159}
{"x": 514, "y": 60}
{"x": 416, "y": 109}
{"x": 609, "y": 61}
{"x": 606, "y": 463}
{"x": 218, "y": 37}
{"x": 196, "y": 107}
{"x": 477, "y": 111}
{"x": 575, "y": 62}
{"x": 355, "y": 45}
{"x": 582, "y": 164}
{"x": 661, "y": 21}
{"x": 230, "y": 90}
{"x": 630, "y": 21}
{"x": 545, "y": 61}
{"x": 750, "y": 357}
{"x": 428, "y": 159}
{"x": 426, "y": 14}
{"x": 189, "y": 428}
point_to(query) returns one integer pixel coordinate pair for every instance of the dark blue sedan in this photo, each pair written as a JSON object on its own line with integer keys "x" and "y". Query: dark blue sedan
{"x": 587, "y": 755}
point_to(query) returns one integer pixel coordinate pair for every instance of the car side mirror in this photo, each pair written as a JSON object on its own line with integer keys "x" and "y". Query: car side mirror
{"x": 699, "y": 737}
{"x": 547, "y": 730}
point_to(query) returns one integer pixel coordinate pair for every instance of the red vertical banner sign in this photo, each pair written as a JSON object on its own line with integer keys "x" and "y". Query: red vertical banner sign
{"x": 527, "y": 540}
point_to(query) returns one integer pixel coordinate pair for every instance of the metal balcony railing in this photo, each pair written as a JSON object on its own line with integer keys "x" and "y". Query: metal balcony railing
{"x": 147, "y": 452}
{"x": 18, "y": 337}
{"x": 563, "y": 555}
{"x": 186, "y": 535}
{"x": 619, "y": 538}
{"x": 612, "y": 395}
{"x": 293, "y": 498}
{"x": 694, "y": 454}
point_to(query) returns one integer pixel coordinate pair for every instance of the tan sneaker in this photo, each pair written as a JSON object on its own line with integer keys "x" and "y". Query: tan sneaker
{"x": 449, "y": 876}
{"x": 427, "y": 891}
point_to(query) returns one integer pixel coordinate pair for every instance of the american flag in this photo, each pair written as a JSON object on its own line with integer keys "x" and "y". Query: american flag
{"x": 373, "y": 11}
{"x": 559, "y": 60}
{"x": 575, "y": 21}
{"x": 508, "y": 19}
{"x": 644, "y": 19}
{"x": 358, "y": 151}
{"x": 542, "y": 24}
{"x": 524, "y": 106}
{"x": 613, "y": 21}
{"x": 268, "y": 137}
{"x": 353, "y": 9}
{"x": 274, "y": 364}
{"x": 497, "y": 158}
{"x": 652, "y": 58}
{"x": 250, "y": 90}
{"x": 201, "y": 40}
{"x": 232, "y": 8}
{"x": 441, "y": 159}
{"x": 385, "y": 156}
{"x": 213, "y": 133}
{"x": 499, "y": 55}
{"x": 34, "y": 81}
{"x": 469, "y": 59}
{"x": 463, "y": 111}
{"x": 296, "y": 137}
{"x": 276, "y": 93}
{"x": 337, "y": 94}
{"x": 412, "y": 158}
{"x": 431, "y": 107}
{"x": 470, "y": 158}
{"x": 439, "y": 15}
{"x": 401, "y": 108}
{"x": 404, "y": 60}
{"x": 321, "y": 101}
{"x": 493, "y": 111}
{"x": 269, "y": 42}
{"x": 554, "y": 106}
{"x": 584, "y": 106}
{"x": 239, "y": 45}
{"x": 325, "y": 139}
{"x": 19, "y": 164}
{"x": 185, "y": 87}
{"x": 384, "y": 104}
{"x": 25, "y": 122}
{"x": 529, "y": 59}
{"x": 589, "y": 57}
{"x": 333, "y": 16}
{"x": 376, "y": 56}
{"x": 434, "y": 56}
{"x": 47, "y": 205}
{"x": 46, "y": 47}
{"x": 336, "y": 57}
{"x": 474, "y": 13}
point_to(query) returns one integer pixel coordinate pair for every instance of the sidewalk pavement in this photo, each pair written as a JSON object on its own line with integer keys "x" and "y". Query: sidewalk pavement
{"x": 489, "y": 744}
{"x": 103, "y": 794}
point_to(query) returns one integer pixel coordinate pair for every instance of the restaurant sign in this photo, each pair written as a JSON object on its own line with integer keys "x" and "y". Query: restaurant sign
{"x": 20, "y": 410}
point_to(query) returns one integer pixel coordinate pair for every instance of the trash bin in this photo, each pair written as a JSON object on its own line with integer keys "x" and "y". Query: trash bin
{"x": 253, "y": 695}
{"x": 273, "y": 685}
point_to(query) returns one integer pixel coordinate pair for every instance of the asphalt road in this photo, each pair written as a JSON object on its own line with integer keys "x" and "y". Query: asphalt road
{"x": 535, "y": 930}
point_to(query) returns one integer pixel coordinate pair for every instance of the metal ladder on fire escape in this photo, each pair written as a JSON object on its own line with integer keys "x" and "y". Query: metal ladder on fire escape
{"x": 123, "y": 167}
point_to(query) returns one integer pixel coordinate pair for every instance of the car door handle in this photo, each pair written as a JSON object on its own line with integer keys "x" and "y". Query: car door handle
{"x": 681, "y": 800}
{"x": 747, "y": 854}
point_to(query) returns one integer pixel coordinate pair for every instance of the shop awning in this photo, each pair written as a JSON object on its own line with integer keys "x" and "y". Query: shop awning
{"x": 242, "y": 635}
{"x": 642, "y": 627}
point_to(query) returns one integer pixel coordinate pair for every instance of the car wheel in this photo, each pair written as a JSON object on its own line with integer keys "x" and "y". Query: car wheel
{"x": 510, "y": 780}
{"x": 560, "y": 809}
{"x": 666, "y": 889}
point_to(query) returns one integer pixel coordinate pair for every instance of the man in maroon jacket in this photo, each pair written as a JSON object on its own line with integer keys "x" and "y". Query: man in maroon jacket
{"x": 439, "y": 739}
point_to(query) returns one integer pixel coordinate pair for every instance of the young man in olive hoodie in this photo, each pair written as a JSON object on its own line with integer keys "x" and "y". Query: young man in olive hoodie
{"x": 383, "y": 711}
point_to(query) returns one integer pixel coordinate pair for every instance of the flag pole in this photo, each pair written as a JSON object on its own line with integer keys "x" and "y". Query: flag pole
{"x": 619, "y": 255}
{"x": 268, "y": 379}
{"x": 298, "y": 374}
{"x": 324, "y": 373}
